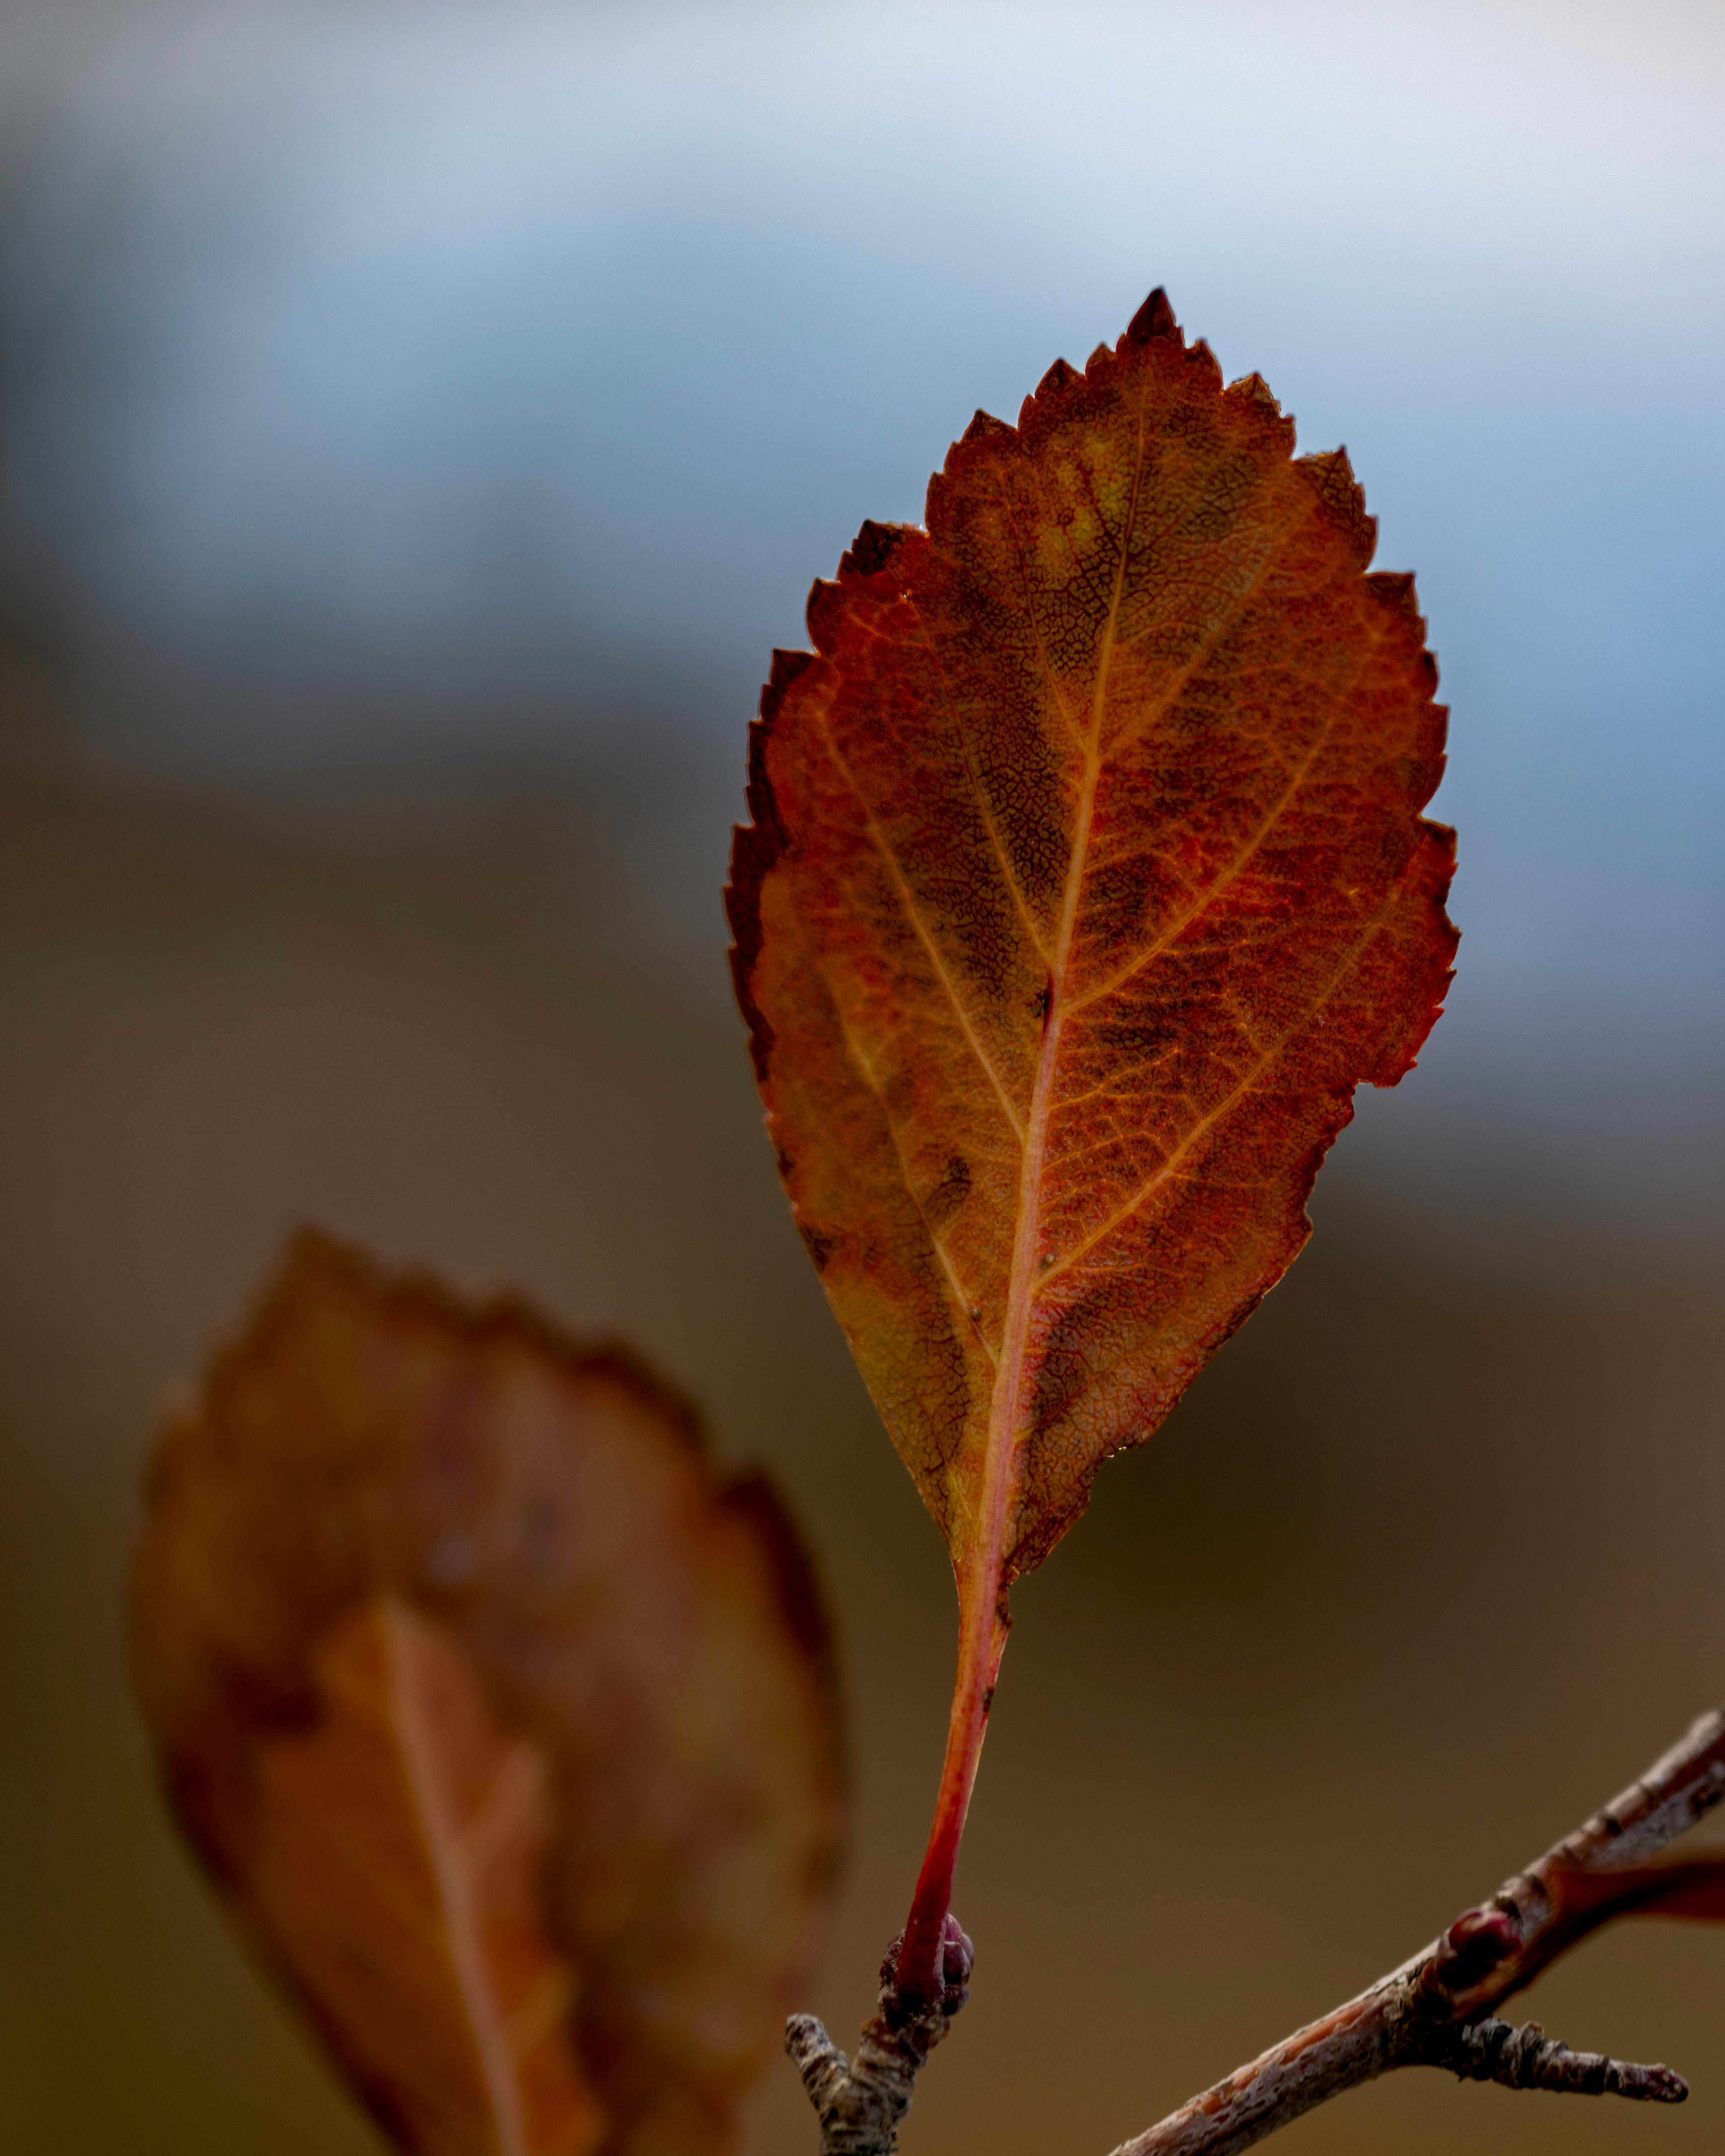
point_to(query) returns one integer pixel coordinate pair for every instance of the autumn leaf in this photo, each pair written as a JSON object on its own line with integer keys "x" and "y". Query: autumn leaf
{"x": 394, "y": 1522}
{"x": 1086, "y": 880}
{"x": 399, "y": 1849}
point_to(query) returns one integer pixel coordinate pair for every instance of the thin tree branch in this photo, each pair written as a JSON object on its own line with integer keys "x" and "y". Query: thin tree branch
{"x": 1437, "y": 2010}
{"x": 861, "y": 2102}
{"x": 1440, "y": 2008}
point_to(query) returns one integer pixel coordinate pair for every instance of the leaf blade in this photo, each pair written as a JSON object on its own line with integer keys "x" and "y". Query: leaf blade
{"x": 651, "y": 1628}
{"x": 964, "y": 965}
{"x": 417, "y": 1940}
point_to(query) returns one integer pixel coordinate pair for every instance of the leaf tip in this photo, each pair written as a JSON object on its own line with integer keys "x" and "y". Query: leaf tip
{"x": 1330, "y": 473}
{"x": 984, "y": 427}
{"x": 875, "y": 547}
{"x": 786, "y": 666}
{"x": 1154, "y": 319}
{"x": 1254, "y": 390}
{"x": 823, "y": 609}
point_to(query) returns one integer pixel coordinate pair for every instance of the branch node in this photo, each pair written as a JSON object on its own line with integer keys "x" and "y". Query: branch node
{"x": 861, "y": 2102}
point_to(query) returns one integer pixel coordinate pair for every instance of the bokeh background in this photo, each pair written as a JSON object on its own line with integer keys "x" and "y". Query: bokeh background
{"x": 417, "y": 423}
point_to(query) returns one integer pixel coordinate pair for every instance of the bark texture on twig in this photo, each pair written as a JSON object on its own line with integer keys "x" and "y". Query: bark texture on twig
{"x": 1440, "y": 2008}
{"x": 861, "y": 2102}
{"x": 1526, "y": 2058}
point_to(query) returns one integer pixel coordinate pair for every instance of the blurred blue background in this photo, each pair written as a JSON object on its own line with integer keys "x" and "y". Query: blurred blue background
{"x": 418, "y": 423}
{"x": 479, "y": 375}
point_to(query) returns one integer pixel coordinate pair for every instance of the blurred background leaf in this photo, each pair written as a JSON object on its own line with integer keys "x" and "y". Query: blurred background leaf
{"x": 507, "y": 1726}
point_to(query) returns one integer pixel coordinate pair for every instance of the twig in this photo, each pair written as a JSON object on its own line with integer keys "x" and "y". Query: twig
{"x": 1440, "y": 2008}
{"x": 861, "y": 2102}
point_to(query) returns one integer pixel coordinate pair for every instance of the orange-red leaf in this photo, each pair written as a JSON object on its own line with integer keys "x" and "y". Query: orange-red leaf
{"x": 647, "y": 1631}
{"x": 1086, "y": 879}
{"x": 398, "y": 1868}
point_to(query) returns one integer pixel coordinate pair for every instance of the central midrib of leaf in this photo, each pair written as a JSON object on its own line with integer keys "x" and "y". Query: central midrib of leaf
{"x": 1005, "y": 1404}
{"x": 453, "y": 1864}
{"x": 981, "y": 1622}
{"x": 1026, "y": 1281}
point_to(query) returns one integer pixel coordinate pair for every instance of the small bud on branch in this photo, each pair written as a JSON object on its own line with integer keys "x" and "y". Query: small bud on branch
{"x": 861, "y": 2102}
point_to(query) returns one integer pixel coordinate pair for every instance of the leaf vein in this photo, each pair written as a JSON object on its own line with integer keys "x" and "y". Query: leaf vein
{"x": 1224, "y": 882}
{"x": 1229, "y": 1102}
{"x": 907, "y": 900}
{"x": 988, "y": 813}
{"x": 863, "y": 1064}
